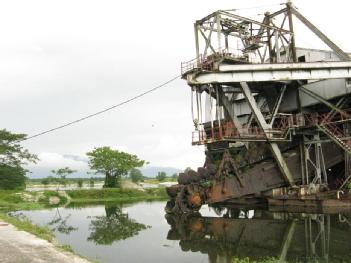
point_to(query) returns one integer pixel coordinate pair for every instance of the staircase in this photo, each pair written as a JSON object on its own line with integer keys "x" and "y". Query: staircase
{"x": 334, "y": 133}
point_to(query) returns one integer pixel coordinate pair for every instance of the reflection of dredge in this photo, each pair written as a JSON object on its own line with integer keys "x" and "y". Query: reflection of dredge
{"x": 274, "y": 118}
{"x": 282, "y": 236}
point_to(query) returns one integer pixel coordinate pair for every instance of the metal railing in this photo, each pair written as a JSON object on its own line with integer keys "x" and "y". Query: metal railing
{"x": 207, "y": 62}
{"x": 280, "y": 131}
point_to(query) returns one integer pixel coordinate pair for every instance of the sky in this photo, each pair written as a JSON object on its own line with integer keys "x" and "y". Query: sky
{"x": 61, "y": 60}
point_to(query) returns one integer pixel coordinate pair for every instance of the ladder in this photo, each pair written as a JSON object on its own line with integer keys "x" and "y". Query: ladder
{"x": 335, "y": 134}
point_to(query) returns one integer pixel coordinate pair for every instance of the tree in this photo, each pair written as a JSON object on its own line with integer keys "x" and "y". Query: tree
{"x": 161, "y": 176}
{"x": 80, "y": 183}
{"x": 113, "y": 164}
{"x": 62, "y": 174}
{"x": 175, "y": 176}
{"x": 12, "y": 158}
{"x": 45, "y": 181}
{"x": 91, "y": 182}
{"x": 136, "y": 175}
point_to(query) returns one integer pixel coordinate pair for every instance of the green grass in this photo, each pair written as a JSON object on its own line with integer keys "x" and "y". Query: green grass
{"x": 21, "y": 200}
{"x": 11, "y": 200}
{"x": 26, "y": 225}
{"x": 248, "y": 260}
{"x": 155, "y": 181}
{"x": 116, "y": 195}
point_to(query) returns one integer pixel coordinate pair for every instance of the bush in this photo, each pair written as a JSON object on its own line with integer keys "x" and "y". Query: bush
{"x": 80, "y": 183}
{"x": 45, "y": 181}
{"x": 91, "y": 182}
{"x": 161, "y": 176}
{"x": 12, "y": 178}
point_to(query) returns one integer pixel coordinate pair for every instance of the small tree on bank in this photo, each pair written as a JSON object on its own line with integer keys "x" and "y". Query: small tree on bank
{"x": 113, "y": 164}
{"x": 62, "y": 174}
{"x": 136, "y": 175}
{"x": 12, "y": 158}
{"x": 161, "y": 176}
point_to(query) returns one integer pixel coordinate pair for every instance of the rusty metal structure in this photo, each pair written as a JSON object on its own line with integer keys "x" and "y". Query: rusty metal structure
{"x": 274, "y": 118}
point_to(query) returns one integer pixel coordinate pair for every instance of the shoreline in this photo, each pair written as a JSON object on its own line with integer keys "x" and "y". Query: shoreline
{"x": 18, "y": 246}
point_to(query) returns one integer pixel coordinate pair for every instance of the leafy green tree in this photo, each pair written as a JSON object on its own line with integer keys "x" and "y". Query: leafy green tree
{"x": 80, "y": 183}
{"x": 12, "y": 158}
{"x": 175, "y": 176}
{"x": 115, "y": 226}
{"x": 161, "y": 176}
{"x": 136, "y": 175}
{"x": 113, "y": 164}
{"x": 91, "y": 182}
{"x": 62, "y": 174}
{"x": 45, "y": 181}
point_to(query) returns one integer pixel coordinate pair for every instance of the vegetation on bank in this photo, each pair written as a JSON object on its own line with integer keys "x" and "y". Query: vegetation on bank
{"x": 12, "y": 158}
{"x": 12, "y": 200}
{"x": 116, "y": 195}
{"x": 26, "y": 225}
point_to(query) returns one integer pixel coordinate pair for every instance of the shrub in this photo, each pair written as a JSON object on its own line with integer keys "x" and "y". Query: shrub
{"x": 12, "y": 177}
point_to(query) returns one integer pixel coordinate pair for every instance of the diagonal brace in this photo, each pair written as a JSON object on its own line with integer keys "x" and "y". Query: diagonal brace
{"x": 284, "y": 169}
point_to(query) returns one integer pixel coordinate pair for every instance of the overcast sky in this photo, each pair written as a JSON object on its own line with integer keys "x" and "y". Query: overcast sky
{"x": 60, "y": 60}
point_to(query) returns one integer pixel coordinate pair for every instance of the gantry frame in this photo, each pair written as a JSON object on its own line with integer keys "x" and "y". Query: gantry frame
{"x": 267, "y": 55}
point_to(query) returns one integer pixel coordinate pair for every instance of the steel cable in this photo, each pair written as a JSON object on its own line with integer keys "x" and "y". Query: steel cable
{"x": 101, "y": 111}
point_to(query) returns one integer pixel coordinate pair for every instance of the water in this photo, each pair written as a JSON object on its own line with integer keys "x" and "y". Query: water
{"x": 141, "y": 233}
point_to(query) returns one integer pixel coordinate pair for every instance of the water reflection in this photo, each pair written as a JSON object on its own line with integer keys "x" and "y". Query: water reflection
{"x": 59, "y": 223}
{"x": 259, "y": 235}
{"x": 115, "y": 226}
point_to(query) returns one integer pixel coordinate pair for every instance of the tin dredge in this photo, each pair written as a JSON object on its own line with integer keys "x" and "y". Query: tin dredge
{"x": 274, "y": 118}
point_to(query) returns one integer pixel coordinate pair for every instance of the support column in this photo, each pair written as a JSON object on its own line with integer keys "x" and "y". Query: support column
{"x": 264, "y": 126}
{"x": 318, "y": 176}
{"x": 288, "y": 236}
{"x": 292, "y": 46}
{"x": 218, "y": 22}
{"x": 303, "y": 160}
{"x": 197, "y": 47}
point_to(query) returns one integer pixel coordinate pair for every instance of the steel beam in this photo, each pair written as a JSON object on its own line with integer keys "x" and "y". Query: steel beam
{"x": 273, "y": 72}
{"x": 264, "y": 126}
{"x": 197, "y": 46}
{"x": 292, "y": 44}
{"x": 321, "y": 99}
{"x": 245, "y": 19}
{"x": 288, "y": 237}
{"x": 341, "y": 54}
{"x": 277, "y": 105}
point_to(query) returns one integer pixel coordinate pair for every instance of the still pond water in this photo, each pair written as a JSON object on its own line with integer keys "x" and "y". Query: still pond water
{"x": 141, "y": 233}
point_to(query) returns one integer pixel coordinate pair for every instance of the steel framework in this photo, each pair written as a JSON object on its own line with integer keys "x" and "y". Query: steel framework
{"x": 252, "y": 85}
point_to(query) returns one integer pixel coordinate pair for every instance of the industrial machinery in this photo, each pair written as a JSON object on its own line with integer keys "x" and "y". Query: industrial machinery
{"x": 274, "y": 118}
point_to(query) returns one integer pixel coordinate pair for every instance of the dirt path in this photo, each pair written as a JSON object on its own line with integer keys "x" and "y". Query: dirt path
{"x": 19, "y": 246}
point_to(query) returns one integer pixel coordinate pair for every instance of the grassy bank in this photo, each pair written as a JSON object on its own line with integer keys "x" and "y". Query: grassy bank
{"x": 28, "y": 226}
{"x": 116, "y": 195}
{"x": 19, "y": 200}
{"x": 22, "y": 200}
